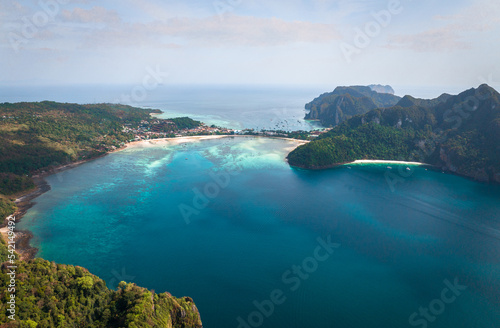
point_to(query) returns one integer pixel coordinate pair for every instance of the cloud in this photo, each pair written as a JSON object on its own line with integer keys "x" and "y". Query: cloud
{"x": 444, "y": 39}
{"x": 97, "y": 26}
{"x": 481, "y": 16}
{"x": 210, "y": 31}
{"x": 93, "y": 15}
{"x": 11, "y": 11}
{"x": 246, "y": 30}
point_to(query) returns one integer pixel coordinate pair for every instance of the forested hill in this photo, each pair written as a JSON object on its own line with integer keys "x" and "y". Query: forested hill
{"x": 459, "y": 133}
{"x": 55, "y": 295}
{"x": 344, "y": 102}
{"x": 42, "y": 135}
{"x": 36, "y": 137}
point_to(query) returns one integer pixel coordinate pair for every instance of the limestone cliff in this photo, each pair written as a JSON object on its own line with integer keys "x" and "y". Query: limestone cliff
{"x": 343, "y": 103}
{"x": 459, "y": 134}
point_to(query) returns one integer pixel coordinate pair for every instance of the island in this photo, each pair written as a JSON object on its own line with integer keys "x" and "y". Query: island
{"x": 458, "y": 134}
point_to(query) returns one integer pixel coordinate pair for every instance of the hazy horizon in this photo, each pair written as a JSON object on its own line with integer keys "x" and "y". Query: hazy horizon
{"x": 117, "y": 93}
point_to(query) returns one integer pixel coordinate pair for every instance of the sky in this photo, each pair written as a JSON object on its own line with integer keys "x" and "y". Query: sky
{"x": 450, "y": 44}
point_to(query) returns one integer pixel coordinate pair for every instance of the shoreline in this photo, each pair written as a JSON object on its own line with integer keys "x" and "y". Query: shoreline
{"x": 24, "y": 201}
{"x": 378, "y": 161}
{"x": 362, "y": 162}
{"x": 187, "y": 139}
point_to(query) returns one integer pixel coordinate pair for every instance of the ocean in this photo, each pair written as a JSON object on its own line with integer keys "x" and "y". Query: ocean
{"x": 257, "y": 243}
{"x": 236, "y": 107}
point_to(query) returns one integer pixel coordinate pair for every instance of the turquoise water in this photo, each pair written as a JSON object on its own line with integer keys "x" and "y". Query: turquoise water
{"x": 228, "y": 222}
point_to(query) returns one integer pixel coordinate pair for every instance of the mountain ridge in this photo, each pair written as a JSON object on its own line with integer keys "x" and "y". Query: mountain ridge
{"x": 333, "y": 108}
{"x": 459, "y": 134}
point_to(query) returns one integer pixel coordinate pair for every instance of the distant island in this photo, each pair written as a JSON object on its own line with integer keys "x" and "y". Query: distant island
{"x": 459, "y": 134}
{"x": 382, "y": 88}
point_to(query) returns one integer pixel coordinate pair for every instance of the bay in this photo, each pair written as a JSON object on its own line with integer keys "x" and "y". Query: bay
{"x": 253, "y": 221}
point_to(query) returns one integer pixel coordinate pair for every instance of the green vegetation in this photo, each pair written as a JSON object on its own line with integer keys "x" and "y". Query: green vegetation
{"x": 185, "y": 123}
{"x": 346, "y": 145}
{"x": 56, "y": 295}
{"x": 7, "y": 208}
{"x": 36, "y": 137}
{"x": 302, "y": 135}
{"x": 11, "y": 183}
{"x": 3, "y": 251}
{"x": 459, "y": 133}
{"x": 167, "y": 128}
{"x": 409, "y": 101}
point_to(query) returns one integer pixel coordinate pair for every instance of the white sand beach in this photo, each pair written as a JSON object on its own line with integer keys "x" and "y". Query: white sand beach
{"x": 376, "y": 161}
{"x": 170, "y": 141}
{"x": 182, "y": 140}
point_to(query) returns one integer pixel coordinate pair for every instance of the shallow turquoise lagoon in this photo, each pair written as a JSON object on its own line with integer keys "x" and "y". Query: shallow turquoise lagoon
{"x": 257, "y": 243}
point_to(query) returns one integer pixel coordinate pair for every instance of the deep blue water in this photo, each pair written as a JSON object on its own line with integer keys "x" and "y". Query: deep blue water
{"x": 395, "y": 250}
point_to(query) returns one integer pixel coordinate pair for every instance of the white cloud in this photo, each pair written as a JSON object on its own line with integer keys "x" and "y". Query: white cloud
{"x": 259, "y": 40}
{"x": 211, "y": 31}
{"x": 93, "y": 15}
{"x": 459, "y": 31}
{"x": 245, "y": 30}
{"x": 480, "y": 16}
{"x": 443, "y": 39}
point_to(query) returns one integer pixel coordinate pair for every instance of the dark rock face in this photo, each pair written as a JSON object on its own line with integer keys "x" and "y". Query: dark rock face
{"x": 459, "y": 134}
